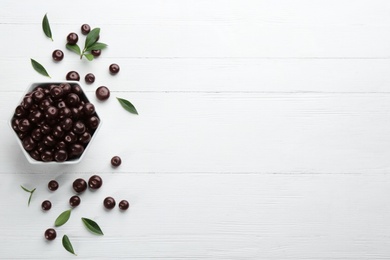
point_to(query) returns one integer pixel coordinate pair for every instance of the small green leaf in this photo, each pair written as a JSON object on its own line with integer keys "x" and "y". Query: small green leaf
{"x": 25, "y": 189}
{"x": 67, "y": 244}
{"x": 39, "y": 68}
{"x": 92, "y": 37}
{"x": 92, "y": 226}
{"x": 29, "y": 191}
{"x": 62, "y": 218}
{"x": 88, "y": 56}
{"x": 74, "y": 47}
{"x": 127, "y": 105}
{"x": 46, "y": 27}
{"x": 29, "y": 199}
{"x": 96, "y": 46}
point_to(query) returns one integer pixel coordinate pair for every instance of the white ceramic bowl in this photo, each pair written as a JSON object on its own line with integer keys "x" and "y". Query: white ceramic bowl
{"x": 19, "y": 141}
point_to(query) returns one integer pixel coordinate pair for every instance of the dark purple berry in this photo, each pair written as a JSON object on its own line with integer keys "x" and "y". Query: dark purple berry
{"x": 47, "y": 156}
{"x": 96, "y": 53}
{"x": 109, "y": 203}
{"x": 52, "y": 185}
{"x": 89, "y": 78}
{"x": 85, "y": 29}
{"x": 116, "y": 161}
{"x": 95, "y": 182}
{"x": 73, "y": 75}
{"x": 102, "y": 93}
{"x": 57, "y": 55}
{"x": 50, "y": 234}
{"x": 114, "y": 68}
{"x": 61, "y": 155}
{"x": 123, "y": 205}
{"x": 46, "y": 205}
{"x": 74, "y": 201}
{"x": 72, "y": 38}
{"x": 79, "y": 185}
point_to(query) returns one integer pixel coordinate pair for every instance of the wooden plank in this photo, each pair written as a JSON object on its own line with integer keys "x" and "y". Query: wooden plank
{"x": 204, "y": 40}
{"x": 213, "y": 75}
{"x": 231, "y": 132}
{"x": 205, "y": 216}
{"x": 306, "y": 12}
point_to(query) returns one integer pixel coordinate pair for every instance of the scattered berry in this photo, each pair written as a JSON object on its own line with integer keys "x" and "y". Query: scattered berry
{"x": 85, "y": 29}
{"x": 89, "y": 78}
{"x": 46, "y": 205}
{"x": 123, "y": 204}
{"x": 72, "y": 38}
{"x": 50, "y": 234}
{"x": 116, "y": 161}
{"x": 52, "y": 185}
{"x": 109, "y": 203}
{"x": 114, "y": 68}
{"x": 57, "y": 55}
{"x": 74, "y": 201}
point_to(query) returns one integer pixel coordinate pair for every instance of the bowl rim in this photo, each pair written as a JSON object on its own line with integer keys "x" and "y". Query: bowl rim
{"x": 31, "y": 160}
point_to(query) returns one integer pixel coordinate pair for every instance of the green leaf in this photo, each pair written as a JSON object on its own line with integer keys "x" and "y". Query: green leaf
{"x": 92, "y": 226}
{"x": 29, "y": 191}
{"x": 92, "y": 37}
{"x": 88, "y": 56}
{"x": 96, "y": 46}
{"x": 74, "y": 47}
{"x": 46, "y": 27}
{"x": 67, "y": 244}
{"x": 62, "y": 218}
{"x": 39, "y": 68}
{"x": 29, "y": 199}
{"x": 25, "y": 189}
{"x": 127, "y": 105}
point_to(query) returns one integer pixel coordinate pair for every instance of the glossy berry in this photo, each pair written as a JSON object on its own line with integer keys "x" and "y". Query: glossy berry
{"x": 116, "y": 161}
{"x": 52, "y": 185}
{"x": 79, "y": 185}
{"x": 72, "y": 38}
{"x": 46, "y": 205}
{"x": 50, "y": 234}
{"x": 61, "y": 155}
{"x": 123, "y": 205}
{"x": 96, "y": 53}
{"x": 95, "y": 182}
{"x": 57, "y": 55}
{"x": 89, "y": 78}
{"x": 109, "y": 203}
{"x": 114, "y": 68}
{"x": 93, "y": 122}
{"x": 102, "y": 93}
{"x": 73, "y": 75}
{"x": 85, "y": 29}
{"x": 74, "y": 201}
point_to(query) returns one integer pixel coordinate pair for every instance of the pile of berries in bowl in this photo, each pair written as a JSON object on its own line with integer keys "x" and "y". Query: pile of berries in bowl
{"x": 55, "y": 122}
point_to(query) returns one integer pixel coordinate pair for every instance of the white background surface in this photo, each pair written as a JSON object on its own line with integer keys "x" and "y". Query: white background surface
{"x": 263, "y": 130}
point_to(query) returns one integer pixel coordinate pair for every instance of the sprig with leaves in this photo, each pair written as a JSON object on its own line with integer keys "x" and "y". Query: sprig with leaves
{"x": 91, "y": 43}
{"x": 29, "y": 191}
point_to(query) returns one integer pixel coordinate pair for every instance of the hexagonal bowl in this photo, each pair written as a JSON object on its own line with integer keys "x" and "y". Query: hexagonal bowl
{"x": 31, "y": 160}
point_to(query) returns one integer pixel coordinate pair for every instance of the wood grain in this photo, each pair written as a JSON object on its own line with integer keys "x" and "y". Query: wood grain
{"x": 235, "y": 132}
{"x": 192, "y": 75}
{"x": 262, "y": 133}
{"x": 208, "y": 216}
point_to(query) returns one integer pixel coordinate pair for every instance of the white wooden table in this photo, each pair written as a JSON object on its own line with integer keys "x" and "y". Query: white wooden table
{"x": 263, "y": 130}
